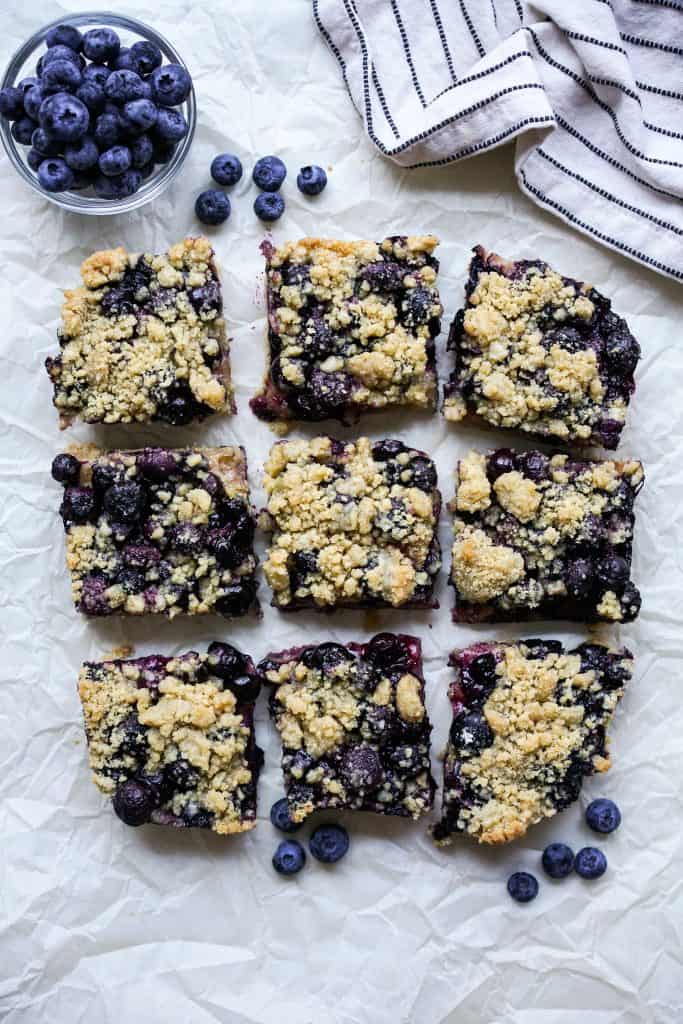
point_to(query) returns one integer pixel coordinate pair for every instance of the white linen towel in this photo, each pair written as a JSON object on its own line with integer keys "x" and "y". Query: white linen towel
{"x": 592, "y": 89}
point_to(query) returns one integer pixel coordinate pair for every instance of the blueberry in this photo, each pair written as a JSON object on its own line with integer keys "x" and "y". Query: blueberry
{"x": 125, "y": 61}
{"x": 11, "y": 103}
{"x": 535, "y": 465}
{"x": 471, "y": 732}
{"x": 179, "y": 407}
{"x": 383, "y": 276}
{"x": 119, "y": 187}
{"x": 382, "y": 451}
{"x": 82, "y": 155}
{"x": 101, "y": 44}
{"x": 206, "y": 298}
{"x": 65, "y": 468}
{"x": 329, "y": 843}
{"x": 134, "y": 802}
{"x": 187, "y": 537}
{"x": 33, "y": 100}
{"x": 22, "y": 131}
{"x": 612, "y": 571}
{"x": 236, "y": 598}
{"x": 134, "y": 741}
{"x": 522, "y": 886}
{"x": 64, "y": 116}
{"x": 64, "y": 35}
{"x": 131, "y": 580}
{"x": 289, "y": 858}
{"x": 226, "y": 169}
{"x": 124, "y": 503}
{"x": 482, "y": 670}
{"x": 221, "y": 543}
{"x": 326, "y": 657}
{"x": 423, "y": 474}
{"x": 179, "y": 776}
{"x": 139, "y": 115}
{"x": 537, "y": 650}
{"x": 630, "y": 602}
{"x": 387, "y": 653}
{"x": 24, "y": 84}
{"x": 557, "y": 860}
{"x": 226, "y": 661}
{"x": 311, "y": 180}
{"x": 44, "y": 144}
{"x": 123, "y": 86}
{"x": 114, "y": 161}
{"x": 603, "y": 815}
{"x": 579, "y": 578}
{"x": 60, "y": 76}
{"x": 55, "y": 175}
{"x": 212, "y": 206}
{"x": 141, "y": 150}
{"x": 81, "y": 180}
{"x": 622, "y": 351}
{"x": 590, "y": 862}
{"x": 34, "y": 159}
{"x": 171, "y": 125}
{"x": 361, "y": 768}
{"x": 329, "y": 392}
{"x": 97, "y": 74}
{"x": 279, "y": 816}
{"x": 301, "y": 564}
{"x": 146, "y": 170}
{"x": 171, "y": 85}
{"x": 107, "y": 130}
{"x": 147, "y": 54}
{"x": 140, "y": 556}
{"x": 163, "y": 151}
{"x": 58, "y": 52}
{"x": 268, "y": 174}
{"x": 499, "y": 462}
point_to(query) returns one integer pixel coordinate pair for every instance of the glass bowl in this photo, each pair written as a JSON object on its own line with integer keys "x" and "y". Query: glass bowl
{"x": 23, "y": 63}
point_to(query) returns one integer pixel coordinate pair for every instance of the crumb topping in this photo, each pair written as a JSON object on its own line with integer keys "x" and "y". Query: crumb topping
{"x": 143, "y": 339}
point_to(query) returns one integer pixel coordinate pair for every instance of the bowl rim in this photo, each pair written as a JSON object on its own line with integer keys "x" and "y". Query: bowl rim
{"x": 74, "y": 202}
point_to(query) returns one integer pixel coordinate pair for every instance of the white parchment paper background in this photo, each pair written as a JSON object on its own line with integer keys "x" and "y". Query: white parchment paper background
{"x": 107, "y": 924}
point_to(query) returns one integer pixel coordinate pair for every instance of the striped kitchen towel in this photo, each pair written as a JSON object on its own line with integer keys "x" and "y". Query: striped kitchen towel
{"x": 591, "y": 89}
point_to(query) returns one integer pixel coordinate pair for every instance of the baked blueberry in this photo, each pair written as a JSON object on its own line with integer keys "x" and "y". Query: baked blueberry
{"x": 64, "y": 116}
{"x": 311, "y": 180}
{"x": 329, "y": 843}
{"x": 114, "y": 161}
{"x": 279, "y": 816}
{"x": 522, "y": 886}
{"x": 170, "y": 125}
{"x": 170, "y": 84}
{"x": 471, "y": 732}
{"x": 11, "y": 103}
{"x": 139, "y": 115}
{"x": 22, "y": 130}
{"x": 65, "y": 468}
{"x": 64, "y": 35}
{"x": 60, "y": 76}
{"x": 212, "y": 207}
{"x": 289, "y": 858}
{"x": 558, "y": 860}
{"x": 134, "y": 802}
{"x": 147, "y": 55}
{"x": 226, "y": 169}
{"x": 603, "y": 815}
{"x": 101, "y": 44}
{"x": 590, "y": 862}
{"x": 269, "y": 173}
{"x": 55, "y": 175}
{"x": 269, "y": 206}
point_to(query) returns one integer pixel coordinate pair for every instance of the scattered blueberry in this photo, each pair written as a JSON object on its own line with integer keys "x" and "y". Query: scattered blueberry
{"x": 123, "y": 86}
{"x": 212, "y": 207}
{"x": 44, "y": 143}
{"x": 289, "y": 858}
{"x": 170, "y": 84}
{"x": 55, "y": 175}
{"x": 114, "y": 161}
{"x": 22, "y": 131}
{"x": 65, "y": 468}
{"x": 269, "y": 206}
{"x": 64, "y": 35}
{"x": 133, "y": 802}
{"x": 557, "y": 860}
{"x": 120, "y": 187}
{"x": 64, "y": 117}
{"x": 101, "y": 44}
{"x": 311, "y": 180}
{"x": 139, "y": 115}
{"x": 141, "y": 150}
{"x": 590, "y": 862}
{"x": 269, "y": 173}
{"x": 11, "y": 103}
{"x": 329, "y": 843}
{"x": 82, "y": 155}
{"x": 60, "y": 76}
{"x": 603, "y": 815}
{"x": 279, "y": 816}
{"x": 148, "y": 56}
{"x": 522, "y": 886}
{"x": 226, "y": 169}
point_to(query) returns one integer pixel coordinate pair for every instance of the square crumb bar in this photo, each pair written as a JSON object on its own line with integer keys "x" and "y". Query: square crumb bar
{"x": 143, "y": 339}
{"x": 529, "y": 722}
{"x": 354, "y": 727}
{"x": 544, "y": 537}
{"x": 540, "y": 353}
{"x": 354, "y": 524}
{"x": 171, "y": 740}
{"x": 158, "y": 531}
{"x": 351, "y": 327}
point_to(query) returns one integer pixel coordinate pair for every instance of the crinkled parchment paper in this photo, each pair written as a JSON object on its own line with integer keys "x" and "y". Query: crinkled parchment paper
{"x": 115, "y": 925}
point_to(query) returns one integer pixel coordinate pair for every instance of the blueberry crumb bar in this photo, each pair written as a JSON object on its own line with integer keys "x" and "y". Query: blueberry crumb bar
{"x": 143, "y": 339}
{"x": 544, "y": 537}
{"x": 354, "y": 727}
{"x": 353, "y": 524}
{"x": 351, "y": 328}
{"x": 529, "y": 722}
{"x": 539, "y": 353}
{"x": 171, "y": 740}
{"x": 158, "y": 530}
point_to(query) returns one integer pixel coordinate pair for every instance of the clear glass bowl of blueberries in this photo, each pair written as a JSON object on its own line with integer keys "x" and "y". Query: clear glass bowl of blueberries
{"x": 97, "y": 113}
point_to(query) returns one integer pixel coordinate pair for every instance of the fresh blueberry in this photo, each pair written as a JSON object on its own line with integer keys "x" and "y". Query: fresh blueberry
{"x": 24, "y": 84}
{"x": 603, "y": 815}
{"x": 590, "y": 862}
{"x": 579, "y": 578}
{"x": 96, "y": 73}
{"x": 123, "y": 86}
{"x": 279, "y": 816}
{"x": 107, "y": 130}
{"x": 114, "y": 161}
{"x": 33, "y": 100}
{"x": 11, "y": 103}
{"x": 522, "y": 886}
{"x": 471, "y": 732}
{"x": 82, "y": 155}
{"x": 44, "y": 143}
{"x": 64, "y": 116}
{"x": 92, "y": 95}
{"x": 139, "y": 115}
{"x": 612, "y": 571}
{"x": 126, "y": 60}
{"x": 101, "y": 44}
{"x": 58, "y": 52}
{"x": 55, "y": 175}
{"x": 22, "y": 130}
{"x": 163, "y": 151}
{"x": 124, "y": 503}
{"x": 134, "y": 802}
{"x": 226, "y": 169}
{"x": 361, "y": 768}
{"x": 269, "y": 173}
{"x": 171, "y": 85}
{"x": 557, "y": 860}
{"x": 171, "y": 125}
{"x": 120, "y": 187}
{"x": 289, "y": 858}
{"x": 64, "y": 35}
{"x": 311, "y": 180}
{"x": 148, "y": 55}
{"x": 60, "y": 76}
{"x": 236, "y": 598}
{"x": 212, "y": 207}
{"x": 65, "y": 468}
{"x": 141, "y": 150}
{"x": 146, "y": 170}
{"x": 329, "y": 843}
{"x": 156, "y": 464}
{"x": 34, "y": 159}
{"x": 499, "y": 462}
